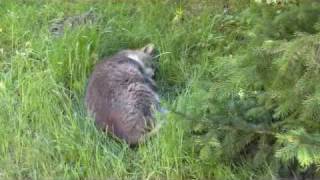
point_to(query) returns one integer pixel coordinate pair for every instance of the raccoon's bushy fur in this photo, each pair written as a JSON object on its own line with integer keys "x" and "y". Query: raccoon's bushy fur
{"x": 121, "y": 94}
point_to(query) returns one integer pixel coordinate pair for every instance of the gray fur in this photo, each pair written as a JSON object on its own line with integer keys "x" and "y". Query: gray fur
{"x": 121, "y": 94}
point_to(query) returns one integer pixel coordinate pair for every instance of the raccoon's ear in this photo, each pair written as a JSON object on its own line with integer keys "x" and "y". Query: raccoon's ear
{"x": 149, "y": 49}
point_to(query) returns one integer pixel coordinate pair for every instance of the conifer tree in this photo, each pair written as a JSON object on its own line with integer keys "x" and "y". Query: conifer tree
{"x": 263, "y": 107}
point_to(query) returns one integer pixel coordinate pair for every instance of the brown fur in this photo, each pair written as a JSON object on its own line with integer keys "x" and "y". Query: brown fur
{"x": 121, "y": 95}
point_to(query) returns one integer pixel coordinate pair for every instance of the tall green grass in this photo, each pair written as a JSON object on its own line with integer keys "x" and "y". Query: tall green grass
{"x": 44, "y": 129}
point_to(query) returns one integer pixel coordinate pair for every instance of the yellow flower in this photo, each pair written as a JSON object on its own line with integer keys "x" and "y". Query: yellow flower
{"x": 2, "y": 86}
{"x": 28, "y": 44}
{"x": 178, "y": 15}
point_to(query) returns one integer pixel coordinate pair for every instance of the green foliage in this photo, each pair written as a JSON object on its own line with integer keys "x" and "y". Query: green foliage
{"x": 263, "y": 104}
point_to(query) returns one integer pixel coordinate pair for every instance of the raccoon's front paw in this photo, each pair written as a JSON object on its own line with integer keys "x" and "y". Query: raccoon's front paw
{"x": 149, "y": 72}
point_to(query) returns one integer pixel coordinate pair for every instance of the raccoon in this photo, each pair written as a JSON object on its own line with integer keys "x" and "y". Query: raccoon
{"x": 122, "y": 94}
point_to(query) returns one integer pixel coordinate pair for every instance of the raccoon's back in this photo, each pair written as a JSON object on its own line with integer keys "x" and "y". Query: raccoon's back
{"x": 108, "y": 84}
{"x": 120, "y": 99}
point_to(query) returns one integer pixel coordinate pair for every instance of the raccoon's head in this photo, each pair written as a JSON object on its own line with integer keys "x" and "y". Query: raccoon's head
{"x": 145, "y": 57}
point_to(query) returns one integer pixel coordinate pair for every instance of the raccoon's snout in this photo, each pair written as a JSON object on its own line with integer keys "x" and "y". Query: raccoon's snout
{"x": 149, "y": 72}
{"x": 149, "y": 49}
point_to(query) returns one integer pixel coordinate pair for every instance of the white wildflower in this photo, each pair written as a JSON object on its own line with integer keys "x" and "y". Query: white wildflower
{"x": 241, "y": 93}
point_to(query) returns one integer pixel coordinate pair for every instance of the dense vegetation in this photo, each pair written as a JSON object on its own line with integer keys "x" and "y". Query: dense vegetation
{"x": 240, "y": 78}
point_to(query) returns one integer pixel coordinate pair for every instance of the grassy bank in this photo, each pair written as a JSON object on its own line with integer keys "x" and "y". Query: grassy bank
{"x": 44, "y": 131}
